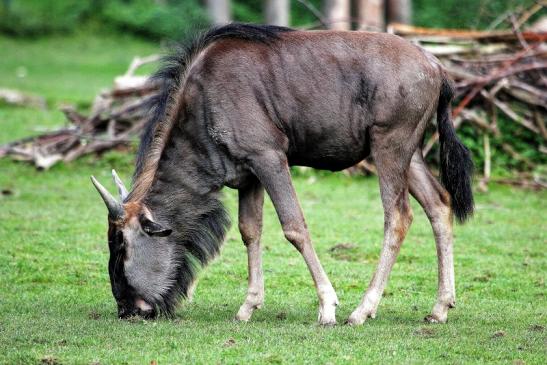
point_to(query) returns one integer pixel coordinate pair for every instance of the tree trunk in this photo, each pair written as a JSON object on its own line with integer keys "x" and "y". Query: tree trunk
{"x": 277, "y": 12}
{"x": 371, "y": 15}
{"x": 399, "y": 11}
{"x": 337, "y": 13}
{"x": 219, "y": 11}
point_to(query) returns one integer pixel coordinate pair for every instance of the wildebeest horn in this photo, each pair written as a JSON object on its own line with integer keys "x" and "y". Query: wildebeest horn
{"x": 121, "y": 187}
{"x": 115, "y": 209}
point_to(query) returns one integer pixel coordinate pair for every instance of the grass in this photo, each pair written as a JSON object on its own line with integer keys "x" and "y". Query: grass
{"x": 55, "y": 300}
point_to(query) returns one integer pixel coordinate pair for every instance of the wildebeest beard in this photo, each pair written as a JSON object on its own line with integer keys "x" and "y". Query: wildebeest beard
{"x": 197, "y": 242}
{"x": 198, "y": 233}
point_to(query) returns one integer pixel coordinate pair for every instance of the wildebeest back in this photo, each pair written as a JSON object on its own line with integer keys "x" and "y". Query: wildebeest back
{"x": 315, "y": 94}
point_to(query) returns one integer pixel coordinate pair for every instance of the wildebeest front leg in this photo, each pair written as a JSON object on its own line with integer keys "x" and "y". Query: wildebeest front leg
{"x": 251, "y": 201}
{"x": 436, "y": 203}
{"x": 273, "y": 171}
{"x": 397, "y": 220}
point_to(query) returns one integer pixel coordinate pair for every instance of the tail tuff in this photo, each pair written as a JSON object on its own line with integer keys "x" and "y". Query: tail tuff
{"x": 456, "y": 163}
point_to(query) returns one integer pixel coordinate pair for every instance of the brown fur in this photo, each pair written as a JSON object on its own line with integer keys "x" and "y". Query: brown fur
{"x": 132, "y": 210}
{"x": 256, "y": 100}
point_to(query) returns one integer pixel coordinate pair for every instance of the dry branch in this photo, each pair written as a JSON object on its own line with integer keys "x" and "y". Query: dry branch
{"x": 494, "y": 71}
{"x": 19, "y": 98}
{"x": 117, "y": 117}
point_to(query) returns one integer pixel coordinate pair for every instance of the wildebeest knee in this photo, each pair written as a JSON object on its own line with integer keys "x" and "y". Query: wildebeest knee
{"x": 249, "y": 233}
{"x": 297, "y": 237}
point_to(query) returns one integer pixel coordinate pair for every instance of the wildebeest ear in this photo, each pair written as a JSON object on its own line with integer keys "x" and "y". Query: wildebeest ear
{"x": 152, "y": 228}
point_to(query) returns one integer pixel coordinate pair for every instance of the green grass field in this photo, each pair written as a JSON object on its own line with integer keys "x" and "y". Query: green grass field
{"x": 55, "y": 300}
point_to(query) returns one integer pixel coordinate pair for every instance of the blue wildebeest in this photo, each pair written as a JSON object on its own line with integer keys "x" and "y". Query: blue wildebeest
{"x": 240, "y": 105}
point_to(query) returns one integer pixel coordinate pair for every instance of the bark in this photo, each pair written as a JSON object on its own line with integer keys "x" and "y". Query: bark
{"x": 370, "y": 14}
{"x": 399, "y": 11}
{"x": 277, "y": 12}
{"x": 219, "y": 11}
{"x": 337, "y": 13}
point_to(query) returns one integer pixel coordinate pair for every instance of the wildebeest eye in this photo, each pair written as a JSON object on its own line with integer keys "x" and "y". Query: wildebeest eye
{"x": 152, "y": 228}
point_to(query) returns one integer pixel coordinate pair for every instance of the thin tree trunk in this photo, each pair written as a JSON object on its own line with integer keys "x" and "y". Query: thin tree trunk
{"x": 371, "y": 14}
{"x": 337, "y": 13}
{"x": 399, "y": 11}
{"x": 219, "y": 11}
{"x": 277, "y": 12}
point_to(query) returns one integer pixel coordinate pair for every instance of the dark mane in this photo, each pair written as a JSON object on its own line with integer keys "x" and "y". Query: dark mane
{"x": 171, "y": 74}
{"x": 199, "y": 223}
{"x": 197, "y": 245}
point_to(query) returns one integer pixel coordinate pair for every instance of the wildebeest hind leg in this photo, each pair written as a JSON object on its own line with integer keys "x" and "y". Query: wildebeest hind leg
{"x": 435, "y": 201}
{"x": 392, "y": 168}
{"x": 251, "y": 201}
{"x": 272, "y": 170}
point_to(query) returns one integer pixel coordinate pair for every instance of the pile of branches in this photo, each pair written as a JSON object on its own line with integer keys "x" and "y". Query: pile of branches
{"x": 116, "y": 119}
{"x": 495, "y": 72}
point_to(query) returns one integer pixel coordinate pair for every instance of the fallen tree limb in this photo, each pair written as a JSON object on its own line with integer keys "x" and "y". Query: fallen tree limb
{"x": 117, "y": 118}
{"x": 15, "y": 97}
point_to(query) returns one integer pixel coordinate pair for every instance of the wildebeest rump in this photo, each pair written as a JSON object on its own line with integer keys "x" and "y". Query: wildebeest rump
{"x": 239, "y": 106}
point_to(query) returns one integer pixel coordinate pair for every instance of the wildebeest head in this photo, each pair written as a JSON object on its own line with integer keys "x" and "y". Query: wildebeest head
{"x": 142, "y": 264}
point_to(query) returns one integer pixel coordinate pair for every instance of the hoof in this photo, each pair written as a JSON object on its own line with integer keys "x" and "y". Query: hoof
{"x": 328, "y": 324}
{"x": 327, "y": 321}
{"x": 327, "y": 315}
{"x": 246, "y": 311}
{"x": 241, "y": 320}
{"x": 355, "y": 320}
{"x": 359, "y": 317}
{"x": 433, "y": 319}
{"x": 242, "y": 316}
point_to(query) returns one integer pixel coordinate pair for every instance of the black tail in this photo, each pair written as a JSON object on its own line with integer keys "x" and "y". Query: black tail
{"x": 456, "y": 163}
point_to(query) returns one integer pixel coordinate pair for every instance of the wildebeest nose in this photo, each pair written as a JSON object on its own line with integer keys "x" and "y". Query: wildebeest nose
{"x": 149, "y": 314}
{"x": 140, "y": 308}
{"x": 124, "y": 312}
{"x": 145, "y": 310}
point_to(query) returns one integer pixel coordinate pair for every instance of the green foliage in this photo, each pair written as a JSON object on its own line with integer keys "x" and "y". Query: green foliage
{"x": 169, "y": 19}
{"x": 474, "y": 14}
{"x": 174, "y": 19}
{"x": 249, "y": 11}
{"x": 252, "y": 11}
{"x": 38, "y": 17}
{"x": 301, "y": 16}
{"x": 523, "y": 141}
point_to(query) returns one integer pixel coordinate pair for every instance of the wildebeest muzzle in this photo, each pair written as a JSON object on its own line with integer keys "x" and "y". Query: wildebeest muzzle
{"x": 139, "y": 308}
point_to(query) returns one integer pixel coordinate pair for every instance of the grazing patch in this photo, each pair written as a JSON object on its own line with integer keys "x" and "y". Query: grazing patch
{"x": 49, "y": 360}
{"x": 425, "y": 332}
{"x": 94, "y": 315}
{"x": 498, "y": 334}
{"x": 536, "y": 328}
{"x": 352, "y": 252}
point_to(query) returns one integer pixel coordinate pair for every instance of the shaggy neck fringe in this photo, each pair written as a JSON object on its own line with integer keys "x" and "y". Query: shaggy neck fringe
{"x": 165, "y": 108}
{"x": 196, "y": 246}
